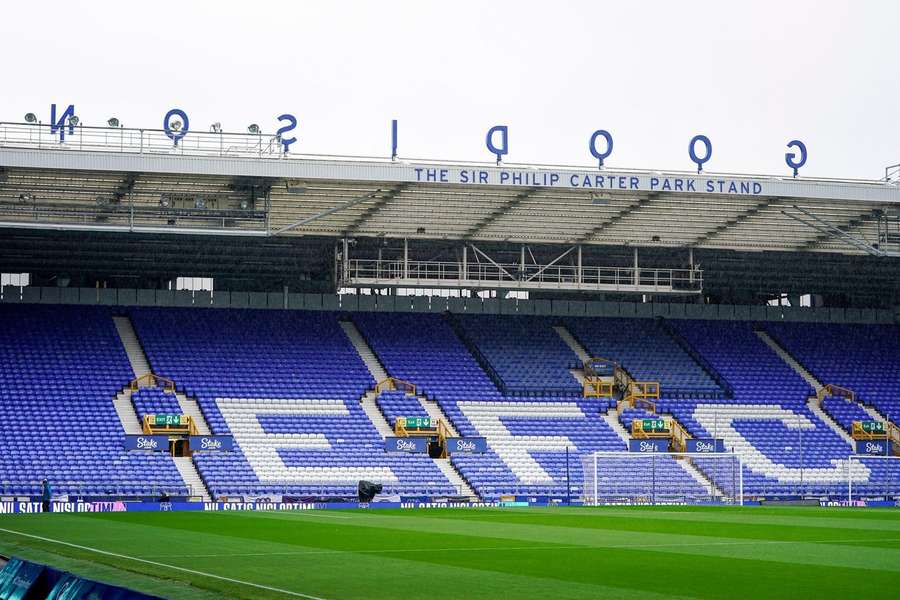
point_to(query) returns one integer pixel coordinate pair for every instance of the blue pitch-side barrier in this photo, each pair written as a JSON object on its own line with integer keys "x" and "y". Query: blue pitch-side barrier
{"x": 88, "y": 507}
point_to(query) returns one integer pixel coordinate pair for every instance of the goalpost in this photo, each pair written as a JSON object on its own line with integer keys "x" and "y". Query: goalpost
{"x": 662, "y": 478}
{"x": 883, "y": 479}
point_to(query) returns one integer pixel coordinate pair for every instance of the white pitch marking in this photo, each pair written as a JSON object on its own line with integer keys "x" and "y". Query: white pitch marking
{"x": 503, "y": 548}
{"x": 159, "y": 564}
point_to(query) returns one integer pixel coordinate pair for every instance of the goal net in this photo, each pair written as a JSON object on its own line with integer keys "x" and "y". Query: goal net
{"x": 873, "y": 478}
{"x": 662, "y": 478}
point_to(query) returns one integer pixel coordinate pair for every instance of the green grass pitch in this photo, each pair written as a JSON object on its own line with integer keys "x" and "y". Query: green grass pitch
{"x": 605, "y": 552}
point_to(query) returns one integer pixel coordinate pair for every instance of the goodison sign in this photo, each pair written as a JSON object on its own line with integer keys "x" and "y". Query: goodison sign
{"x": 600, "y": 144}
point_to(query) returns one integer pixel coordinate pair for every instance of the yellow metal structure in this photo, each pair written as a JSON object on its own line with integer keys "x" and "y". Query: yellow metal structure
{"x": 392, "y": 383}
{"x": 891, "y": 433}
{"x": 186, "y": 426}
{"x": 597, "y": 384}
{"x": 438, "y": 429}
{"x": 673, "y": 431}
{"x": 151, "y": 380}
{"x": 836, "y": 390}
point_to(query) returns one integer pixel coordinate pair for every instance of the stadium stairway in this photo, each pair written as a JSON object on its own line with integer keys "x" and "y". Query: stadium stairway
{"x": 367, "y": 402}
{"x": 191, "y": 477}
{"x": 132, "y": 424}
{"x": 370, "y": 407}
{"x": 577, "y": 348}
{"x": 141, "y": 366}
{"x": 127, "y": 415}
{"x": 365, "y": 352}
{"x": 790, "y": 360}
{"x": 434, "y": 411}
{"x": 132, "y": 345}
{"x": 813, "y": 401}
{"x": 191, "y": 408}
{"x": 612, "y": 419}
{"x": 572, "y": 343}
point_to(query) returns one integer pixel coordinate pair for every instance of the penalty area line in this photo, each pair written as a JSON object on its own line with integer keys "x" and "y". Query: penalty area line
{"x": 159, "y": 564}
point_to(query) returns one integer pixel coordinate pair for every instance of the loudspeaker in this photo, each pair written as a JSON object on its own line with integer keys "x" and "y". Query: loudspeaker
{"x": 367, "y": 490}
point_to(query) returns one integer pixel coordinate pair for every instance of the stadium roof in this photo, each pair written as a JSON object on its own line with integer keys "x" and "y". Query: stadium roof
{"x": 239, "y": 184}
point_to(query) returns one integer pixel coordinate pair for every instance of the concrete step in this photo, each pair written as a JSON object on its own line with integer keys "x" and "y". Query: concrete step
{"x": 191, "y": 477}
{"x": 786, "y": 357}
{"x": 572, "y": 343}
{"x": 375, "y": 416}
{"x": 190, "y": 408}
{"x": 127, "y": 415}
{"x": 139, "y": 364}
{"x": 434, "y": 411}
{"x": 612, "y": 418}
{"x": 816, "y": 408}
{"x": 711, "y": 488}
{"x": 578, "y": 374}
{"x": 365, "y": 353}
{"x": 454, "y": 477}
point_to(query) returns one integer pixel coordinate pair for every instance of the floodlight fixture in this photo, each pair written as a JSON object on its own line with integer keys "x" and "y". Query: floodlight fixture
{"x": 175, "y": 125}
{"x": 73, "y": 120}
{"x": 215, "y": 127}
{"x": 253, "y": 128}
{"x": 113, "y": 122}
{"x": 245, "y": 205}
{"x": 164, "y": 201}
{"x": 200, "y": 203}
{"x": 30, "y": 118}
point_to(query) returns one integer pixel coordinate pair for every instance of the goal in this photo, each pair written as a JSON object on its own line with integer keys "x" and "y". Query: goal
{"x": 662, "y": 478}
{"x": 872, "y": 477}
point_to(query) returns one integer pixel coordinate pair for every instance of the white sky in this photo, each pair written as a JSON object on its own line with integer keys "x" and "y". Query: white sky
{"x": 750, "y": 75}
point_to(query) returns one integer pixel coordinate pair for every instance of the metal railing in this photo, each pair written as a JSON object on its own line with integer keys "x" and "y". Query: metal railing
{"x": 40, "y": 136}
{"x": 514, "y": 276}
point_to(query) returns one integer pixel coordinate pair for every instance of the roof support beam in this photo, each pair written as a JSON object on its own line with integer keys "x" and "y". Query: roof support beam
{"x": 828, "y": 230}
{"x": 619, "y": 216}
{"x": 732, "y": 222}
{"x": 498, "y": 212}
{"x": 491, "y": 260}
{"x": 551, "y": 263}
{"x": 325, "y": 213}
{"x": 373, "y": 210}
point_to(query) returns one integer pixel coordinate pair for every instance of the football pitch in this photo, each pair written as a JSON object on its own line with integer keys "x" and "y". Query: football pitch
{"x": 603, "y": 552}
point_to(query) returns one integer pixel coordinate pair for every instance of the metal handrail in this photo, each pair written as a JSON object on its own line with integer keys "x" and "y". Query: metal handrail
{"x": 238, "y": 144}
{"x": 513, "y": 274}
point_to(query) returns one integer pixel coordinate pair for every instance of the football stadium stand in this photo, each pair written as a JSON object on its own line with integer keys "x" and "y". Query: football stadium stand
{"x": 863, "y": 358}
{"x": 60, "y": 367}
{"x": 289, "y": 386}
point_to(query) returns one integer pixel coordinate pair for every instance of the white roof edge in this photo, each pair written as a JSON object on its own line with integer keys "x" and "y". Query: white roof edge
{"x": 450, "y": 173}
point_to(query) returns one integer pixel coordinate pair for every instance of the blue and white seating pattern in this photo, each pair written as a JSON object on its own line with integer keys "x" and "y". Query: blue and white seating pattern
{"x": 768, "y": 419}
{"x": 844, "y": 411}
{"x": 60, "y": 367}
{"x": 646, "y": 351}
{"x": 152, "y": 401}
{"x": 399, "y": 404}
{"x": 864, "y": 358}
{"x": 527, "y": 354}
{"x": 424, "y": 349}
{"x": 287, "y": 386}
